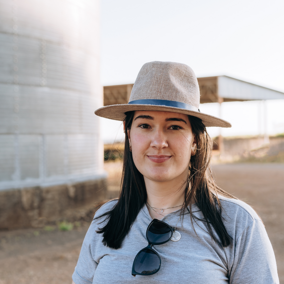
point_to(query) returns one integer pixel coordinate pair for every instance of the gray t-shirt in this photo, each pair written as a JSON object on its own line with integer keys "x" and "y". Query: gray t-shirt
{"x": 195, "y": 258}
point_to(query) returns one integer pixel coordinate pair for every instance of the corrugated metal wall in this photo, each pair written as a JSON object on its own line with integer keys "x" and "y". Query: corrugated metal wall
{"x": 49, "y": 89}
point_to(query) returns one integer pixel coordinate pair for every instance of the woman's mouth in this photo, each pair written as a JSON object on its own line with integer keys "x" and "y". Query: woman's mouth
{"x": 158, "y": 158}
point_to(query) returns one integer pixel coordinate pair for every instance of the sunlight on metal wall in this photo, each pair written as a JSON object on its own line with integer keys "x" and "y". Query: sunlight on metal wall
{"x": 49, "y": 88}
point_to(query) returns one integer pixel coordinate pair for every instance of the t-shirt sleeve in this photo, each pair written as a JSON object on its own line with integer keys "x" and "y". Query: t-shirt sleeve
{"x": 254, "y": 260}
{"x": 86, "y": 265}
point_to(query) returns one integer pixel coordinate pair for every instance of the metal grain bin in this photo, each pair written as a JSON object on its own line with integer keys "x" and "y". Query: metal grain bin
{"x": 51, "y": 151}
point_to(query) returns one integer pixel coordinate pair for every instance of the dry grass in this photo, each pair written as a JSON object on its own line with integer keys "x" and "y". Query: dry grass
{"x": 113, "y": 152}
{"x": 279, "y": 158}
{"x": 114, "y": 146}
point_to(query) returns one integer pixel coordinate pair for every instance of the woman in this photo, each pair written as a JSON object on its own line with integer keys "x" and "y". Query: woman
{"x": 171, "y": 222}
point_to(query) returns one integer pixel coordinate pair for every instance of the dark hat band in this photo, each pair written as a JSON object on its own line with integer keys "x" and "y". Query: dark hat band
{"x": 164, "y": 103}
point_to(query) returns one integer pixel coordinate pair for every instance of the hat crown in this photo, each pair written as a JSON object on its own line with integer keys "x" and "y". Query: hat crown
{"x": 166, "y": 81}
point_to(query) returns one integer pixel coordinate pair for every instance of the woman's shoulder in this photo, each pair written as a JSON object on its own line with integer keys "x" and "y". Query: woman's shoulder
{"x": 99, "y": 221}
{"x": 238, "y": 207}
{"x": 108, "y": 206}
{"x": 238, "y": 216}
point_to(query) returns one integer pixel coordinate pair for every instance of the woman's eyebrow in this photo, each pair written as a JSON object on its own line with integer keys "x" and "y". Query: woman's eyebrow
{"x": 144, "y": 116}
{"x": 167, "y": 119}
{"x": 175, "y": 119}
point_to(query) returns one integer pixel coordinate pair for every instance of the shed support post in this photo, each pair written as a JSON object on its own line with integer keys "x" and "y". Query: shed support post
{"x": 266, "y": 137}
{"x": 259, "y": 119}
{"x": 220, "y": 138}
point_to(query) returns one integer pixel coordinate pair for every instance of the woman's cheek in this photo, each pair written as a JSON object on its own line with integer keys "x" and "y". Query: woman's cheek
{"x": 137, "y": 146}
{"x": 139, "y": 143}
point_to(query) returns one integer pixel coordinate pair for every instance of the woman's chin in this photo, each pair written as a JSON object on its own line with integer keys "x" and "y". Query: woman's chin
{"x": 159, "y": 177}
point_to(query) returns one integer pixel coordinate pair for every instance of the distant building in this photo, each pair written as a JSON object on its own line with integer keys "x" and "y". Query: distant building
{"x": 49, "y": 89}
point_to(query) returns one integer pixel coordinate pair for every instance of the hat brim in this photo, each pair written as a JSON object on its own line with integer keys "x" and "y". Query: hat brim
{"x": 117, "y": 112}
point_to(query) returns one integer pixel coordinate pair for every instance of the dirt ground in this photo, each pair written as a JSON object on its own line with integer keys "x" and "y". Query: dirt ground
{"x": 46, "y": 256}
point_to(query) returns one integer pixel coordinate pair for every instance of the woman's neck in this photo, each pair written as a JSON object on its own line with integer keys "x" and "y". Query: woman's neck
{"x": 164, "y": 197}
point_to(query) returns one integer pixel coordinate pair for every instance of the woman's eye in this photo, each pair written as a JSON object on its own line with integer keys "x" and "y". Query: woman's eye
{"x": 144, "y": 126}
{"x": 175, "y": 127}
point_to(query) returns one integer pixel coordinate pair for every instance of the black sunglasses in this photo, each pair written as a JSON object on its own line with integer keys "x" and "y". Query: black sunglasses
{"x": 147, "y": 260}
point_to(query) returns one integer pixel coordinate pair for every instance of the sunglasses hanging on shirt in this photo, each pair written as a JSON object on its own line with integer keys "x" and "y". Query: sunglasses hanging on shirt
{"x": 147, "y": 260}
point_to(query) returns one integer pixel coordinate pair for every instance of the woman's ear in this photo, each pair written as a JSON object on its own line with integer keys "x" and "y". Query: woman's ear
{"x": 193, "y": 147}
{"x": 127, "y": 131}
{"x": 129, "y": 141}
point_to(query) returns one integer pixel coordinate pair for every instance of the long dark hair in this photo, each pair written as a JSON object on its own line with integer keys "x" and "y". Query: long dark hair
{"x": 201, "y": 190}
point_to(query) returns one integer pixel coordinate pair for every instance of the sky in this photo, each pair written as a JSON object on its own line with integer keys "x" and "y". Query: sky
{"x": 242, "y": 39}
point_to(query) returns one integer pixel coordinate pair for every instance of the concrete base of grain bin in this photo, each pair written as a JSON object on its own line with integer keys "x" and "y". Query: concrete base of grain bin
{"x": 38, "y": 206}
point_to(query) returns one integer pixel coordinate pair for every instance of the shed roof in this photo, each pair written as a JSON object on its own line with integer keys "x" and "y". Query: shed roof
{"x": 212, "y": 89}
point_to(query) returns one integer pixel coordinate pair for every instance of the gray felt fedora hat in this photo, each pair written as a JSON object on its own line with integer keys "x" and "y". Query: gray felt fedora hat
{"x": 163, "y": 86}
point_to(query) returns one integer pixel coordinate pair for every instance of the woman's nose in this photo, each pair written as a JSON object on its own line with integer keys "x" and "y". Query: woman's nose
{"x": 159, "y": 139}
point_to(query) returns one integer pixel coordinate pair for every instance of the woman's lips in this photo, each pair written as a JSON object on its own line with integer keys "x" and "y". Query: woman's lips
{"x": 158, "y": 158}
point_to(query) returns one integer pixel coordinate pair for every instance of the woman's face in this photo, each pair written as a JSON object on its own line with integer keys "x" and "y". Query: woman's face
{"x": 161, "y": 145}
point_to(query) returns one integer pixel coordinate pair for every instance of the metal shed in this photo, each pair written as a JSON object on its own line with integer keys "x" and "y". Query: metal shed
{"x": 212, "y": 89}
{"x": 215, "y": 89}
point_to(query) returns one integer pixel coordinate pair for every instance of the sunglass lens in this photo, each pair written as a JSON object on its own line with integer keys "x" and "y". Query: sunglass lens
{"x": 146, "y": 262}
{"x": 158, "y": 233}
